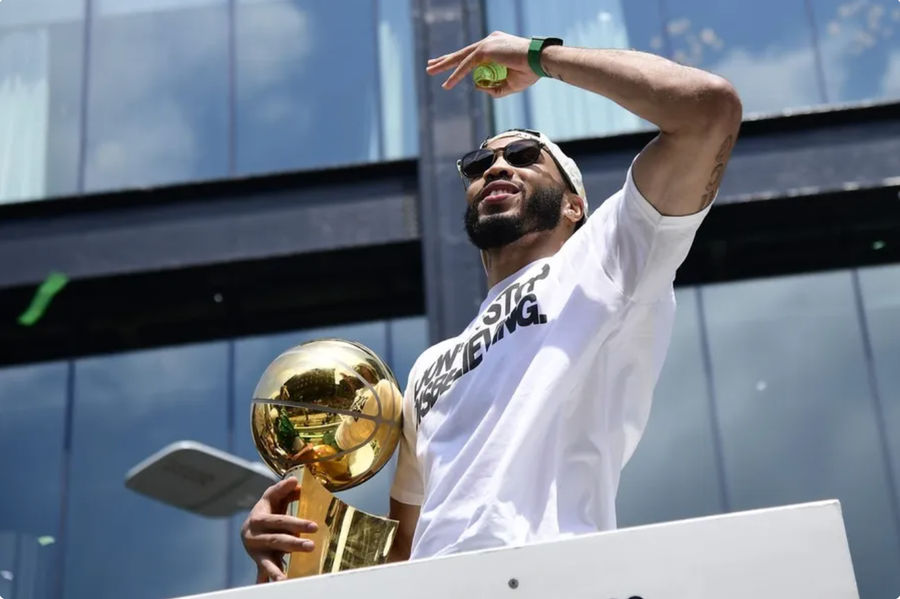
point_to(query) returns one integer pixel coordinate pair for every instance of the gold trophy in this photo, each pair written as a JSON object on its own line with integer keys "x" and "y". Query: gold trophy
{"x": 328, "y": 413}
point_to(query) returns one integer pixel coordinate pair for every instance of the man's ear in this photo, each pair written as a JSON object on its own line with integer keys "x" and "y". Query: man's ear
{"x": 574, "y": 210}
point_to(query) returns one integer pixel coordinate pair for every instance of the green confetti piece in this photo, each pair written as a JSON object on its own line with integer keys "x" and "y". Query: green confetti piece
{"x": 53, "y": 284}
{"x": 46, "y": 540}
{"x": 878, "y": 245}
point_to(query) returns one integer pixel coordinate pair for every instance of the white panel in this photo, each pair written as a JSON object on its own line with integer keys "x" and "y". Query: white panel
{"x": 790, "y": 552}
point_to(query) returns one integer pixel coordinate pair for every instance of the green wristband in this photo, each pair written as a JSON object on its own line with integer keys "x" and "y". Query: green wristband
{"x": 534, "y": 52}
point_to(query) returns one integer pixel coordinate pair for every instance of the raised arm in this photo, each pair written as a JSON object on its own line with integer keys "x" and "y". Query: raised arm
{"x": 698, "y": 113}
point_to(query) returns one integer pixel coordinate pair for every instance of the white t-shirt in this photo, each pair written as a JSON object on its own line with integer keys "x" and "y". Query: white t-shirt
{"x": 516, "y": 430}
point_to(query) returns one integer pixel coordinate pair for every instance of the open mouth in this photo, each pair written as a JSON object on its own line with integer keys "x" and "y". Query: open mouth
{"x": 497, "y": 192}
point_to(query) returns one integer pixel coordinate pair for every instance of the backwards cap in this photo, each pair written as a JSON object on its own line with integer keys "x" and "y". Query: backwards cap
{"x": 566, "y": 165}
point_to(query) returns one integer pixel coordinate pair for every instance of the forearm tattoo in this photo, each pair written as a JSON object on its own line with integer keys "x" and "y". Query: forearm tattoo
{"x": 715, "y": 177}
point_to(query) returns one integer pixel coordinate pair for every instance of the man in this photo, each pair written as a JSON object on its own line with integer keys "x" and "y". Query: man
{"x": 517, "y": 430}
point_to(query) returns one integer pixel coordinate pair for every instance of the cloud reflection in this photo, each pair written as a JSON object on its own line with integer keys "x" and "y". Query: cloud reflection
{"x": 774, "y": 74}
{"x": 157, "y": 98}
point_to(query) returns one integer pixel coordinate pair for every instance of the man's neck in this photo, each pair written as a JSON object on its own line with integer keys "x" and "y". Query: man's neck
{"x": 504, "y": 261}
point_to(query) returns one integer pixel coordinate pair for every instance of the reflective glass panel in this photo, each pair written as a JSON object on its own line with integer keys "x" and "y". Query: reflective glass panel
{"x": 32, "y": 432}
{"x": 41, "y": 56}
{"x": 860, "y": 46}
{"x": 559, "y": 110}
{"x": 158, "y": 93}
{"x": 672, "y": 474}
{"x": 127, "y": 407}
{"x": 399, "y": 107}
{"x": 798, "y": 419}
{"x": 408, "y": 338}
{"x": 764, "y": 48}
{"x": 881, "y": 299}
{"x": 323, "y": 83}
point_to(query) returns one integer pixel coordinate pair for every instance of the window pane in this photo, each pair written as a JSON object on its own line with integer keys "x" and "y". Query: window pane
{"x": 131, "y": 7}
{"x": 798, "y": 421}
{"x": 41, "y": 12}
{"x": 41, "y": 49}
{"x": 251, "y": 356}
{"x": 409, "y": 338}
{"x": 399, "y": 108}
{"x": 32, "y": 424}
{"x": 308, "y": 97}
{"x": 8, "y": 570}
{"x": 769, "y": 60}
{"x": 860, "y": 43}
{"x": 673, "y": 473}
{"x": 563, "y": 111}
{"x": 128, "y": 406}
{"x": 881, "y": 299}
{"x": 158, "y": 102}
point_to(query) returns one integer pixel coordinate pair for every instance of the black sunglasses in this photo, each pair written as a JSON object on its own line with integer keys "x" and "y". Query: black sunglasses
{"x": 519, "y": 153}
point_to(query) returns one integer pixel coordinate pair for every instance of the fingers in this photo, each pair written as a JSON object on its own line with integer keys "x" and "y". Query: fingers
{"x": 282, "y": 523}
{"x": 276, "y": 532}
{"x": 498, "y": 92}
{"x": 268, "y": 542}
{"x": 439, "y": 65}
{"x": 442, "y": 63}
{"x": 281, "y": 491}
{"x": 268, "y": 533}
{"x": 467, "y": 64}
{"x": 267, "y": 550}
{"x": 267, "y": 569}
{"x": 447, "y": 64}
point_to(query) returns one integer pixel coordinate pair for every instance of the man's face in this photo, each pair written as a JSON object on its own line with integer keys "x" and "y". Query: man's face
{"x": 507, "y": 202}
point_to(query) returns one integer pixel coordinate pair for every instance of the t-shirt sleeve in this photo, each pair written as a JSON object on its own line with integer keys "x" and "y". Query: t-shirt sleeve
{"x": 408, "y": 486}
{"x": 638, "y": 248}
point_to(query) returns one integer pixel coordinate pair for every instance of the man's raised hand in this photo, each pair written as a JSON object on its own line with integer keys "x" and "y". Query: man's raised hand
{"x": 509, "y": 50}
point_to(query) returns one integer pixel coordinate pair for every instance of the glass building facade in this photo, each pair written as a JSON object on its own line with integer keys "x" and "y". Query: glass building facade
{"x": 103, "y": 95}
{"x": 775, "y": 390}
{"x": 113, "y": 94}
{"x": 69, "y": 431}
{"x": 810, "y": 54}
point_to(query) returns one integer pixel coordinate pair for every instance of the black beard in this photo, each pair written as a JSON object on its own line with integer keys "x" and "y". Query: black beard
{"x": 540, "y": 212}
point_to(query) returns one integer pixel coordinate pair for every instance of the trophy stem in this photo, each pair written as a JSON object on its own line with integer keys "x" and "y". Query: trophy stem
{"x": 347, "y": 538}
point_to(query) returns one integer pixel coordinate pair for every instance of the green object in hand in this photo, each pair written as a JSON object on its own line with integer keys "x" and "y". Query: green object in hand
{"x": 52, "y": 285}
{"x": 489, "y": 74}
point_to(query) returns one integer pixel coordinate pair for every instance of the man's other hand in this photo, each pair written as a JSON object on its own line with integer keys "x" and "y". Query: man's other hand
{"x": 509, "y": 50}
{"x": 268, "y": 533}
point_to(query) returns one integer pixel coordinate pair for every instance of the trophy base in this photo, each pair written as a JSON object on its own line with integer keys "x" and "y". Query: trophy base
{"x": 347, "y": 537}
